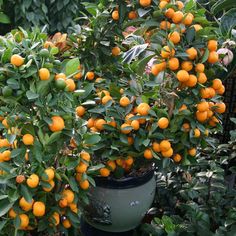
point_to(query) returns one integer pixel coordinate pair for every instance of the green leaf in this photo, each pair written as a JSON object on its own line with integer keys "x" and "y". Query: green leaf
{"x": 2, "y": 224}
{"x": 73, "y": 184}
{"x": 205, "y": 56}
{"x": 5, "y": 206}
{"x": 31, "y": 95}
{"x": 26, "y": 193}
{"x": 222, "y": 5}
{"x": 91, "y": 138}
{"x": 228, "y": 22}
{"x": 54, "y": 137}
{"x": 4, "y": 19}
{"x": 134, "y": 52}
{"x": 72, "y": 66}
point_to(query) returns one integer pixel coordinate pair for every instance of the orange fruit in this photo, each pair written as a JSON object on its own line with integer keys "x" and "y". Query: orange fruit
{"x": 90, "y": 75}
{"x": 177, "y": 17}
{"x": 158, "y": 68}
{"x": 163, "y": 123}
{"x": 182, "y": 75}
{"x": 135, "y": 124}
{"x": 63, "y": 203}
{"x": 24, "y": 221}
{"x": 26, "y": 206}
{"x": 28, "y": 139}
{"x": 104, "y": 172}
{"x": 80, "y": 111}
{"x": 115, "y": 15}
{"x": 124, "y": 101}
{"x": 49, "y": 174}
{"x": 167, "y": 153}
{"x": 132, "y": 15}
{"x": 111, "y": 164}
{"x": 162, "y": 4}
{"x": 129, "y": 160}
{"x": 156, "y": 147}
{"x": 212, "y": 45}
{"x": 169, "y": 13}
{"x": 201, "y": 116}
{"x": 130, "y": 140}
{"x": 165, "y": 145}
{"x": 115, "y": 51}
{"x": 199, "y": 67}
{"x": 202, "y": 79}
{"x": 213, "y": 57}
{"x": 203, "y": 106}
{"x": 91, "y": 122}
{"x": 106, "y": 99}
{"x": 216, "y": 84}
{"x": 186, "y": 127}
{"x": 143, "y": 109}
{"x": 197, "y": 27}
{"x": 57, "y": 124}
{"x": 192, "y": 152}
{"x": 187, "y": 65}
{"x": 85, "y": 156}
{"x": 55, "y": 218}
{"x": 33, "y": 181}
{"x": 52, "y": 185}
{"x": 17, "y": 60}
{"x": 70, "y": 85}
{"x": 192, "y": 81}
{"x": 78, "y": 75}
{"x": 221, "y": 90}
{"x": 119, "y": 162}
{"x": 166, "y": 52}
{"x": 174, "y": 37}
{"x": 192, "y": 53}
{"x": 81, "y": 168}
{"x": 66, "y": 223}
{"x": 212, "y": 92}
{"x": 6, "y": 155}
{"x": 84, "y": 184}
{"x": 39, "y": 209}
{"x": 209, "y": 113}
{"x": 183, "y": 107}
{"x": 221, "y": 107}
{"x": 180, "y": 5}
{"x": 197, "y": 133}
{"x": 60, "y": 76}
{"x": 125, "y": 130}
{"x": 164, "y": 25}
{"x": 205, "y": 92}
{"x": 5, "y": 124}
{"x": 173, "y": 63}
{"x": 4, "y": 143}
{"x": 99, "y": 124}
{"x": 145, "y": 3}
{"x": 112, "y": 123}
{"x": 12, "y": 214}
{"x": 148, "y": 154}
{"x": 177, "y": 158}
{"x": 68, "y": 195}
{"x": 188, "y": 19}
{"x": 20, "y": 179}
{"x": 44, "y": 74}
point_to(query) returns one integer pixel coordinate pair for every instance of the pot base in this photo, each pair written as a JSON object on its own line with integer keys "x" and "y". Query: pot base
{"x": 88, "y": 230}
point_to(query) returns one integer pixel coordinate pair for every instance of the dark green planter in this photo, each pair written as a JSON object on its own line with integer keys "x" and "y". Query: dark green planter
{"x": 120, "y": 205}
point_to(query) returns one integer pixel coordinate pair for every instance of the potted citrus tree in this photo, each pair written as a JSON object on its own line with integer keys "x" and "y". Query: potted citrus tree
{"x": 136, "y": 118}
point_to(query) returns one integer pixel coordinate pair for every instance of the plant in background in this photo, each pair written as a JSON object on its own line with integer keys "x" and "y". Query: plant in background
{"x": 199, "y": 199}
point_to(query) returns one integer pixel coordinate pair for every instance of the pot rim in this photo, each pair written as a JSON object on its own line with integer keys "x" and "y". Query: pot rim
{"x": 125, "y": 183}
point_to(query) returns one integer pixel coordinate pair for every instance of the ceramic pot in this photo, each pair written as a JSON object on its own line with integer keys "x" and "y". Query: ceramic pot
{"x": 120, "y": 205}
